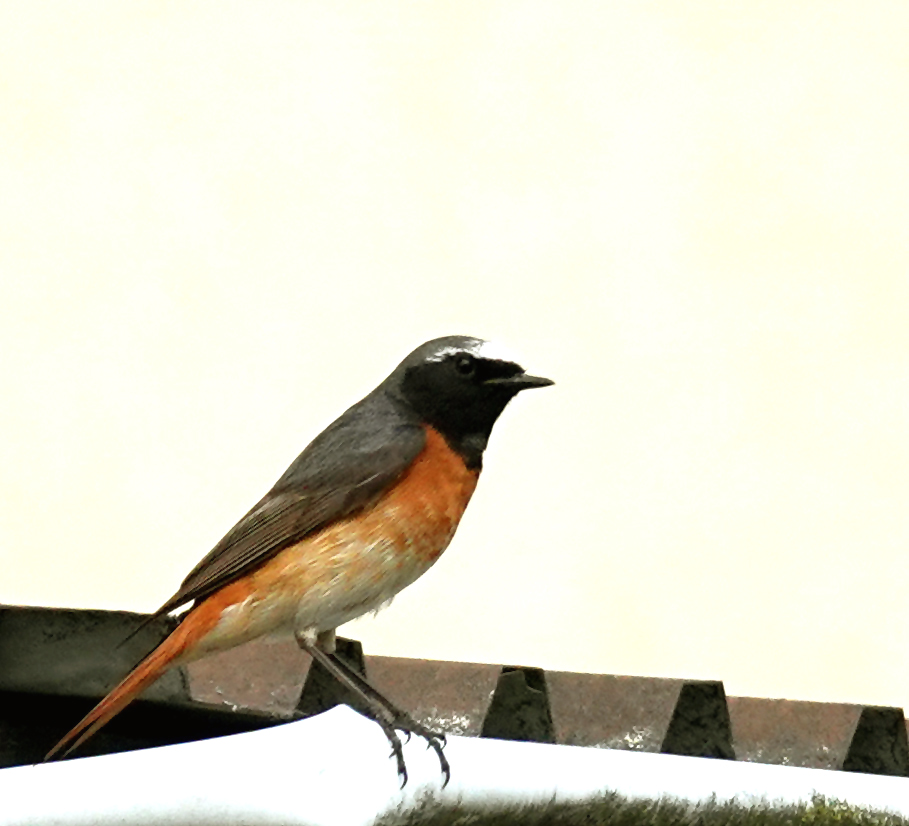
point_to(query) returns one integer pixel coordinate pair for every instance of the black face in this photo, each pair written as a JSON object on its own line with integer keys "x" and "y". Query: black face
{"x": 461, "y": 393}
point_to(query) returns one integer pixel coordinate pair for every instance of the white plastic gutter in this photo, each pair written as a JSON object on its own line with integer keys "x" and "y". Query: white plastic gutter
{"x": 334, "y": 769}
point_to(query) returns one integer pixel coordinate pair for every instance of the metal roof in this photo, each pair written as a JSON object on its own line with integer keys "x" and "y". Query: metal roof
{"x": 54, "y": 663}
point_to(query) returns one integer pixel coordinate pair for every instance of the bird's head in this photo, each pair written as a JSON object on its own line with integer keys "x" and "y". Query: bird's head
{"x": 460, "y": 385}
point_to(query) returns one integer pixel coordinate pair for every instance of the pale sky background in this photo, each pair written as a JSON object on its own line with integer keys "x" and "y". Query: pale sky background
{"x": 221, "y": 223}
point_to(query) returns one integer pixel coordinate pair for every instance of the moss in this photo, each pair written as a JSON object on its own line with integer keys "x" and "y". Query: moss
{"x": 614, "y": 810}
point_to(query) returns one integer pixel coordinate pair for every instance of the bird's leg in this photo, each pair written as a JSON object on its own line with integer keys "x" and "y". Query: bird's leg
{"x": 374, "y": 710}
{"x": 377, "y": 707}
{"x": 400, "y": 719}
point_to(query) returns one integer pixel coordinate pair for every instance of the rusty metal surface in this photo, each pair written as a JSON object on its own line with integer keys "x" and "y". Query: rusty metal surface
{"x": 51, "y": 659}
{"x": 791, "y": 733}
{"x": 453, "y": 697}
{"x": 608, "y": 711}
{"x": 262, "y": 675}
{"x": 641, "y": 714}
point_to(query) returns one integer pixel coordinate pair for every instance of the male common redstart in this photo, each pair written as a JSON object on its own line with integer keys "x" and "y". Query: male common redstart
{"x": 362, "y": 512}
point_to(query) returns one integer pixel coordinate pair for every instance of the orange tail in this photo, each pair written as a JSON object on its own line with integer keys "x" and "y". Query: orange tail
{"x": 141, "y": 677}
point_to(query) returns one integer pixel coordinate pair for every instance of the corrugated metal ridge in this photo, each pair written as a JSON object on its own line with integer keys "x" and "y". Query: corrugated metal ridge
{"x": 75, "y": 656}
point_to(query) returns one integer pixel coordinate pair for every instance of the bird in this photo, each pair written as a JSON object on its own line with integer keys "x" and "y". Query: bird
{"x": 367, "y": 508}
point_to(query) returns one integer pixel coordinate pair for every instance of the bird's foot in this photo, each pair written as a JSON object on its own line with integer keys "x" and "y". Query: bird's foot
{"x": 405, "y": 723}
{"x": 435, "y": 740}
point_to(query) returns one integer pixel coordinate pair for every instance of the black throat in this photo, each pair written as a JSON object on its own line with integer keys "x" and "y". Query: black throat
{"x": 463, "y": 416}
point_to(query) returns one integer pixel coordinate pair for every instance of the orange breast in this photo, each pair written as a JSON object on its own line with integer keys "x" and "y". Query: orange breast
{"x": 353, "y": 565}
{"x": 421, "y": 511}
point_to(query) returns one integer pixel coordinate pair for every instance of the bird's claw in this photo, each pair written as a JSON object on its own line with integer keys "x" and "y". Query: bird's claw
{"x": 398, "y": 755}
{"x": 402, "y": 769}
{"x": 434, "y": 740}
{"x": 408, "y": 726}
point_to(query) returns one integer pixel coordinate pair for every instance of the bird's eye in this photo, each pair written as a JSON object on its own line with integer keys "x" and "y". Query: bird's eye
{"x": 465, "y": 365}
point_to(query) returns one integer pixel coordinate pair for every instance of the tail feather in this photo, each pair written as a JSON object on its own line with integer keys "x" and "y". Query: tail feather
{"x": 141, "y": 677}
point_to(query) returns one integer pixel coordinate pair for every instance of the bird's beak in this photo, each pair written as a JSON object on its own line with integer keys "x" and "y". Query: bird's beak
{"x": 521, "y": 381}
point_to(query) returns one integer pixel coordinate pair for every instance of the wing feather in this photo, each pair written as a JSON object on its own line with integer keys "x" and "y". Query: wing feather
{"x": 346, "y": 468}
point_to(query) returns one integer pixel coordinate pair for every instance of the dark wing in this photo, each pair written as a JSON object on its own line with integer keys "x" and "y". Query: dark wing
{"x": 347, "y": 467}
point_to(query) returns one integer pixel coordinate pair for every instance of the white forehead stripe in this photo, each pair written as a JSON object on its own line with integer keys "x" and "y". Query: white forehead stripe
{"x": 496, "y": 351}
{"x": 481, "y": 349}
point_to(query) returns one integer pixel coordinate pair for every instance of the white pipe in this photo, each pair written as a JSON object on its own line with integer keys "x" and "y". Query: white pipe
{"x": 334, "y": 769}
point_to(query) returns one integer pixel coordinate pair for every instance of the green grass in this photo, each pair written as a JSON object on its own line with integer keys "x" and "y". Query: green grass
{"x": 614, "y": 810}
